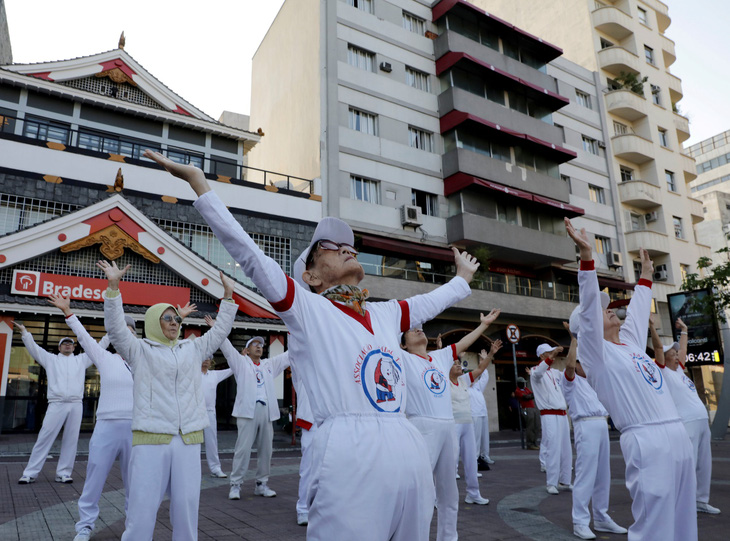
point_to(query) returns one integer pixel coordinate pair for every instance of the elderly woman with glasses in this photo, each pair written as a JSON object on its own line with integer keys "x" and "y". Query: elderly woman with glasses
{"x": 168, "y": 415}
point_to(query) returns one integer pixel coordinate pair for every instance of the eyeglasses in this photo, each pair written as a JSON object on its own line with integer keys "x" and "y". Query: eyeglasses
{"x": 167, "y": 318}
{"x": 328, "y": 245}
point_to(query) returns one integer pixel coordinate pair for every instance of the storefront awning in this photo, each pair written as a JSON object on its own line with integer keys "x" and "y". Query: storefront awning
{"x": 401, "y": 247}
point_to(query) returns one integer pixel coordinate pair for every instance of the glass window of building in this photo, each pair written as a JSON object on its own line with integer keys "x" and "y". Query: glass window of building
{"x": 590, "y": 145}
{"x": 603, "y": 245}
{"x": 363, "y": 189}
{"x": 671, "y": 185}
{"x": 360, "y": 58}
{"x": 627, "y": 174}
{"x": 663, "y": 138}
{"x": 583, "y": 99}
{"x": 677, "y": 223}
{"x": 656, "y": 95}
{"x": 362, "y": 121}
{"x": 596, "y": 194}
{"x": 643, "y": 17}
{"x": 428, "y": 202}
{"x": 362, "y": 5}
{"x": 649, "y": 54}
{"x": 414, "y": 24}
{"x": 417, "y": 79}
{"x": 46, "y": 130}
{"x": 421, "y": 139}
{"x": 620, "y": 128}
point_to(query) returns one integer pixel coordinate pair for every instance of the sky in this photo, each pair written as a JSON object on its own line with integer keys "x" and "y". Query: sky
{"x": 203, "y": 50}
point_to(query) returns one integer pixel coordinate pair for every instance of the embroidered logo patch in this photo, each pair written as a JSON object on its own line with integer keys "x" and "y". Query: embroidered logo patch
{"x": 648, "y": 370}
{"x": 689, "y": 383}
{"x": 381, "y": 377}
{"x": 434, "y": 380}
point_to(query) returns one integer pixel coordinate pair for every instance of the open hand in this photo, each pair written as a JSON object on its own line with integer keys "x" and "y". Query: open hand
{"x": 186, "y": 310}
{"x": 581, "y": 240}
{"x": 62, "y": 303}
{"x": 439, "y": 342}
{"x": 496, "y": 346}
{"x": 189, "y": 173}
{"x": 20, "y": 327}
{"x": 647, "y": 265}
{"x": 209, "y": 320}
{"x": 466, "y": 264}
{"x": 490, "y": 317}
{"x": 113, "y": 273}
{"x": 680, "y": 325}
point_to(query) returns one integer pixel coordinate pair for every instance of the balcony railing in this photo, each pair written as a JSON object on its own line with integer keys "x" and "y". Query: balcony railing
{"x": 99, "y": 143}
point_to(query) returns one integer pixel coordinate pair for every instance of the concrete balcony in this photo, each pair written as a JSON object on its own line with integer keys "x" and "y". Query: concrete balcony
{"x": 675, "y": 88}
{"x": 614, "y": 60}
{"x": 668, "y": 51}
{"x": 655, "y": 243}
{"x": 479, "y": 165}
{"x": 513, "y": 242}
{"x": 689, "y": 167}
{"x": 451, "y": 41}
{"x": 626, "y": 104}
{"x": 613, "y": 22}
{"x": 662, "y": 14}
{"x": 633, "y": 148}
{"x": 681, "y": 124}
{"x": 639, "y": 194}
{"x": 695, "y": 210}
{"x": 461, "y": 100}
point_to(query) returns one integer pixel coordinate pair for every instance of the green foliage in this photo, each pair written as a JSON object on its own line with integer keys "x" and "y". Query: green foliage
{"x": 632, "y": 81}
{"x": 717, "y": 278}
{"x": 483, "y": 255}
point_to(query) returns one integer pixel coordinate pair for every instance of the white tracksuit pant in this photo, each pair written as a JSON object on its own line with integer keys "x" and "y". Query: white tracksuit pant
{"x": 259, "y": 431}
{"x": 558, "y": 452}
{"x": 466, "y": 447}
{"x": 210, "y": 433}
{"x": 112, "y": 438}
{"x": 385, "y": 492}
{"x": 481, "y": 435}
{"x": 155, "y": 470}
{"x": 592, "y": 470}
{"x": 661, "y": 480}
{"x": 305, "y": 469}
{"x": 699, "y": 434}
{"x": 59, "y": 414}
{"x": 440, "y": 435}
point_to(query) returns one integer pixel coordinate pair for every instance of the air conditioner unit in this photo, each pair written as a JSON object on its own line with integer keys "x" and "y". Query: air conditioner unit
{"x": 411, "y": 215}
{"x": 386, "y": 67}
{"x": 651, "y": 216}
{"x": 726, "y": 229}
{"x": 615, "y": 259}
{"x": 601, "y": 144}
{"x": 661, "y": 274}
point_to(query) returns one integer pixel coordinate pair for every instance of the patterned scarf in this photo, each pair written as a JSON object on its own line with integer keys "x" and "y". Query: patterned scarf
{"x": 351, "y": 296}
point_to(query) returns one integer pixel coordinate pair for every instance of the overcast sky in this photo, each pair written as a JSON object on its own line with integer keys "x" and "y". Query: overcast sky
{"x": 203, "y": 50}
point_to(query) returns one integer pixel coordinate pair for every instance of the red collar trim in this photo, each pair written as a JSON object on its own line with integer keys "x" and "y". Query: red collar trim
{"x": 363, "y": 320}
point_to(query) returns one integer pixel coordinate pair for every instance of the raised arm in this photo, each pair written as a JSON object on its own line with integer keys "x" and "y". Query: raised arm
{"x": 572, "y": 354}
{"x": 656, "y": 343}
{"x": 484, "y": 322}
{"x": 209, "y": 343}
{"x": 41, "y": 356}
{"x": 683, "y": 338}
{"x": 222, "y": 374}
{"x": 90, "y": 350}
{"x": 233, "y": 357}
{"x": 540, "y": 370}
{"x": 636, "y": 325}
{"x": 279, "y": 363}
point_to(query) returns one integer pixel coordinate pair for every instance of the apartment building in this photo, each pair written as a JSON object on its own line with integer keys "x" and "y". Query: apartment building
{"x": 433, "y": 124}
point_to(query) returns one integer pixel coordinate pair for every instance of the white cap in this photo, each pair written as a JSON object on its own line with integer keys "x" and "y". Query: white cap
{"x": 256, "y": 339}
{"x": 66, "y": 339}
{"x": 328, "y": 228}
{"x": 545, "y": 348}
{"x": 574, "y": 320}
{"x": 674, "y": 346}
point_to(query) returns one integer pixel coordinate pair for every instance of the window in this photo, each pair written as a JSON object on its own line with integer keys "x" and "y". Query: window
{"x": 603, "y": 245}
{"x": 656, "y": 94}
{"x": 619, "y": 128}
{"x": 643, "y": 16}
{"x": 605, "y": 44}
{"x": 684, "y": 270}
{"x": 362, "y": 5}
{"x": 638, "y": 223}
{"x": 678, "y": 232}
{"x": 590, "y": 145}
{"x": 663, "y": 138}
{"x": 583, "y": 99}
{"x": 566, "y": 179}
{"x": 420, "y": 139}
{"x": 428, "y": 202}
{"x": 649, "y": 54}
{"x": 46, "y": 130}
{"x": 596, "y": 194}
{"x": 613, "y": 84}
{"x": 364, "y": 122}
{"x": 561, "y": 129}
{"x": 113, "y": 144}
{"x": 637, "y": 270}
{"x": 363, "y": 189}
{"x": 183, "y": 157}
{"x": 417, "y": 79}
{"x": 414, "y": 24}
{"x": 360, "y": 58}
{"x": 627, "y": 174}
{"x": 671, "y": 185}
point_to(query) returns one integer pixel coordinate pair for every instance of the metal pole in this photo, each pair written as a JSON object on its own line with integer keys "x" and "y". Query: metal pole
{"x": 519, "y": 406}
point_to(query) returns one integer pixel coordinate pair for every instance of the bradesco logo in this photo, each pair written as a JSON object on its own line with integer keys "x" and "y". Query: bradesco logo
{"x": 25, "y": 282}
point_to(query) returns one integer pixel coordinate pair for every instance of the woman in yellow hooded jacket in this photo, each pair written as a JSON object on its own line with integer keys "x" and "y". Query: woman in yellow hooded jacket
{"x": 168, "y": 414}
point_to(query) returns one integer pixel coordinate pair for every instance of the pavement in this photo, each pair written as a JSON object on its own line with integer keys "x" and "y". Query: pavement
{"x": 519, "y": 507}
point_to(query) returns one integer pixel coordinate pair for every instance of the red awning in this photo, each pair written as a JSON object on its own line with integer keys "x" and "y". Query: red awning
{"x": 402, "y": 247}
{"x": 250, "y": 309}
{"x": 558, "y": 204}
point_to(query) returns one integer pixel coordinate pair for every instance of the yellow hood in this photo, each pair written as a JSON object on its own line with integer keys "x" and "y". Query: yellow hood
{"x": 152, "y": 328}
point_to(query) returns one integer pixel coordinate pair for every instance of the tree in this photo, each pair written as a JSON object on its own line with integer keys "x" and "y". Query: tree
{"x": 716, "y": 278}
{"x": 632, "y": 81}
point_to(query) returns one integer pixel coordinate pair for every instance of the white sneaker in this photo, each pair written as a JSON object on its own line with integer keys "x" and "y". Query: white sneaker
{"x": 64, "y": 479}
{"x": 479, "y": 474}
{"x": 235, "y": 492}
{"x": 562, "y": 486}
{"x": 488, "y": 460}
{"x": 542, "y": 468}
{"x": 26, "y": 480}
{"x": 219, "y": 474}
{"x": 552, "y": 489}
{"x": 262, "y": 489}
{"x": 609, "y": 526}
{"x": 478, "y": 500}
{"x": 458, "y": 476}
{"x": 703, "y": 507}
{"x": 302, "y": 519}
{"x": 83, "y": 535}
{"x": 583, "y": 531}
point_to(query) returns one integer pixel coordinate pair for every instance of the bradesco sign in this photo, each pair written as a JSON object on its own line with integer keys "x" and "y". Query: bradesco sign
{"x": 41, "y": 284}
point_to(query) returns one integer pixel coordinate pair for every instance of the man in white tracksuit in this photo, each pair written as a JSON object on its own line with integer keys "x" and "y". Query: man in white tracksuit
{"x": 592, "y": 450}
{"x": 661, "y": 483}
{"x": 255, "y": 408}
{"x": 211, "y": 379}
{"x": 305, "y": 421}
{"x": 429, "y": 409}
{"x": 373, "y": 477}
{"x": 480, "y": 415}
{"x": 547, "y": 386}
{"x": 66, "y": 374}
{"x": 690, "y": 408}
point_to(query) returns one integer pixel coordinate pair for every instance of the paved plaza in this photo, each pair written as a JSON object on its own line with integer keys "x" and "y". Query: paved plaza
{"x": 519, "y": 508}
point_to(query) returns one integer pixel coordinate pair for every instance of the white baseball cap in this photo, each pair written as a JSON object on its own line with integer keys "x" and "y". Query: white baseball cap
{"x": 674, "y": 346}
{"x": 66, "y": 339}
{"x": 574, "y": 320}
{"x": 256, "y": 339}
{"x": 545, "y": 348}
{"x": 328, "y": 228}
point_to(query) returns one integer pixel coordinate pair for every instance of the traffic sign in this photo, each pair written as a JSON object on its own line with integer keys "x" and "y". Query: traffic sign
{"x": 513, "y": 333}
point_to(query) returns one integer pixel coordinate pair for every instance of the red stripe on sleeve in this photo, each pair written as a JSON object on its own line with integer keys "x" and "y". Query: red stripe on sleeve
{"x": 471, "y": 376}
{"x": 644, "y": 282}
{"x": 569, "y": 379}
{"x": 70, "y": 315}
{"x": 284, "y": 304}
{"x": 453, "y": 351}
{"x": 587, "y": 265}
{"x": 549, "y": 361}
{"x": 681, "y": 364}
{"x": 405, "y": 316}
